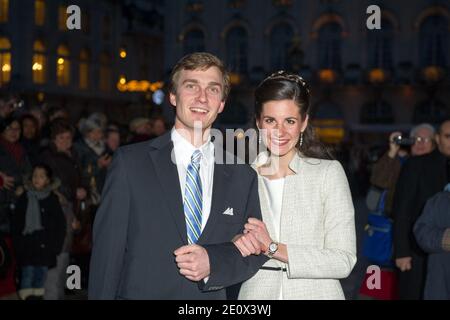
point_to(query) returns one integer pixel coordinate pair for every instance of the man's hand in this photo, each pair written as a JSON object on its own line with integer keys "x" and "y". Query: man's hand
{"x": 404, "y": 264}
{"x": 193, "y": 262}
{"x": 393, "y": 147}
{"x": 104, "y": 161}
{"x": 247, "y": 244}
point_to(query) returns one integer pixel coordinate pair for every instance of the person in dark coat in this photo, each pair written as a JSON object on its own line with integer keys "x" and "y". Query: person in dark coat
{"x": 420, "y": 178}
{"x": 14, "y": 165}
{"x": 432, "y": 231}
{"x": 63, "y": 160}
{"x": 38, "y": 228}
{"x": 30, "y": 139}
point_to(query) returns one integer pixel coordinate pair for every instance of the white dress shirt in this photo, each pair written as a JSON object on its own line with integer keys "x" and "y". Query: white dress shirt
{"x": 183, "y": 151}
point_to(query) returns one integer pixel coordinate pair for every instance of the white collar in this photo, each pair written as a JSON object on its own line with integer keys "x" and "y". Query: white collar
{"x": 184, "y": 149}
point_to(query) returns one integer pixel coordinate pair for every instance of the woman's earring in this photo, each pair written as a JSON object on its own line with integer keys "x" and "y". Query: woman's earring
{"x": 259, "y": 138}
{"x": 301, "y": 139}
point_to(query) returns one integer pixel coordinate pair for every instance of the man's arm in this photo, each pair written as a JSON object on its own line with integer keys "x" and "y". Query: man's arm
{"x": 110, "y": 233}
{"x": 227, "y": 266}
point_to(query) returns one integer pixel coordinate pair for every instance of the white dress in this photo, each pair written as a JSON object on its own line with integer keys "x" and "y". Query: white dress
{"x": 275, "y": 196}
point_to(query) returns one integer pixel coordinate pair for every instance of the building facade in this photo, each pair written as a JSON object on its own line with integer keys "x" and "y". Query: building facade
{"x": 363, "y": 81}
{"x": 47, "y": 63}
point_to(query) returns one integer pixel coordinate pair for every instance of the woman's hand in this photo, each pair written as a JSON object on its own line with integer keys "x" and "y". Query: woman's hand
{"x": 8, "y": 181}
{"x": 247, "y": 244}
{"x": 259, "y": 230}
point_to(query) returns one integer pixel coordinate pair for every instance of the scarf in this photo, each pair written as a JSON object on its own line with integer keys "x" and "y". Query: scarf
{"x": 33, "y": 220}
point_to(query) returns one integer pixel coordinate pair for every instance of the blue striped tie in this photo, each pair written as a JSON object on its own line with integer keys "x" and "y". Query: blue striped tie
{"x": 193, "y": 199}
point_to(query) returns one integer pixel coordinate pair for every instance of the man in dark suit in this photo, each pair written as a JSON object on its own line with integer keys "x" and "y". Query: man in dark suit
{"x": 170, "y": 210}
{"x": 420, "y": 178}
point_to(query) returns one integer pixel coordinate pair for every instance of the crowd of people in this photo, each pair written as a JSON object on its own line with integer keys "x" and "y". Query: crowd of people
{"x": 282, "y": 228}
{"x": 51, "y": 177}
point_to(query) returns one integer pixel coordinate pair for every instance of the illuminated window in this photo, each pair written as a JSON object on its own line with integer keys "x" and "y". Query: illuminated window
{"x": 84, "y": 69}
{"x": 105, "y": 72}
{"x": 39, "y": 12}
{"x": 39, "y": 65}
{"x": 62, "y": 66}
{"x": 62, "y": 18}
{"x": 4, "y": 11}
{"x": 5, "y": 60}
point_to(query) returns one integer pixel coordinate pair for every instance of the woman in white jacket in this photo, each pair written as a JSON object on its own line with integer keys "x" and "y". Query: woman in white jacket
{"x": 308, "y": 230}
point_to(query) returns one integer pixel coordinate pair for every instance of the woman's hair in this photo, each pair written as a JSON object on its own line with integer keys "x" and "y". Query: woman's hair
{"x": 59, "y": 126}
{"x": 283, "y": 85}
{"x": 46, "y": 168}
{"x": 33, "y": 119}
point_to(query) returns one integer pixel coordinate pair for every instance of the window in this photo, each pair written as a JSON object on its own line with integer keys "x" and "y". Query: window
{"x": 84, "y": 69}
{"x": 430, "y": 111}
{"x": 4, "y": 11}
{"x": 39, "y": 65}
{"x": 86, "y": 22}
{"x": 434, "y": 41}
{"x": 106, "y": 28}
{"x": 194, "y": 41}
{"x": 5, "y": 60}
{"x": 62, "y": 18}
{"x": 380, "y": 46}
{"x": 280, "y": 43}
{"x": 377, "y": 112}
{"x": 329, "y": 49}
{"x": 237, "y": 50}
{"x": 63, "y": 66}
{"x": 39, "y": 12}
{"x": 105, "y": 72}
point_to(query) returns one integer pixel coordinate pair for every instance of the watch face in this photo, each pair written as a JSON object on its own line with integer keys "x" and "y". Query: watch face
{"x": 273, "y": 247}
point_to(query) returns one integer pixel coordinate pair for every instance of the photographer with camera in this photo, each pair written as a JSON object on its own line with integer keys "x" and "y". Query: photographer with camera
{"x": 384, "y": 177}
{"x": 420, "y": 178}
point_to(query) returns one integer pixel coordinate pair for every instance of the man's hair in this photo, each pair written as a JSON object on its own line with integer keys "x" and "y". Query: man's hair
{"x": 442, "y": 125}
{"x": 199, "y": 61}
{"x": 422, "y": 126}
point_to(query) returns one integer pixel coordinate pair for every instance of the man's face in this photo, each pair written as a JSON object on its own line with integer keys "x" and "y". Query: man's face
{"x": 443, "y": 139}
{"x": 424, "y": 142}
{"x": 198, "y": 98}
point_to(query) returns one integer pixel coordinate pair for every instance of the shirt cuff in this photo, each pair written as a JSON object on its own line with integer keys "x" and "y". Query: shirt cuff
{"x": 206, "y": 280}
{"x": 446, "y": 240}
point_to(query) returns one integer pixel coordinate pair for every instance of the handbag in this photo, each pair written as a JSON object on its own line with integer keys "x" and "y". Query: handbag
{"x": 377, "y": 242}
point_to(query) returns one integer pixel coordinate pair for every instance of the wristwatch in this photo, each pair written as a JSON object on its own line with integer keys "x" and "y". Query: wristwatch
{"x": 273, "y": 248}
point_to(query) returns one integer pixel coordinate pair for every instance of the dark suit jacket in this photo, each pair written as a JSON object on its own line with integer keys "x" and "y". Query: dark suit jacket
{"x": 140, "y": 223}
{"x": 420, "y": 178}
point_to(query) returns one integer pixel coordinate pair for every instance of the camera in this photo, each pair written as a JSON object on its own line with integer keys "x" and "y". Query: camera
{"x": 404, "y": 141}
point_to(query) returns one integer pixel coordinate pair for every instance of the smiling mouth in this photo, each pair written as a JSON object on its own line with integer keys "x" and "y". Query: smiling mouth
{"x": 280, "y": 142}
{"x": 199, "y": 110}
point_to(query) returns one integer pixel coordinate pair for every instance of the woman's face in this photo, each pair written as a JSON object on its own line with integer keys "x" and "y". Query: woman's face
{"x": 63, "y": 141}
{"x": 281, "y": 125}
{"x": 29, "y": 130}
{"x": 12, "y": 132}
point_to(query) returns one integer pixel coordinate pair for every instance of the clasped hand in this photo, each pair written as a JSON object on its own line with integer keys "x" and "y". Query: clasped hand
{"x": 254, "y": 240}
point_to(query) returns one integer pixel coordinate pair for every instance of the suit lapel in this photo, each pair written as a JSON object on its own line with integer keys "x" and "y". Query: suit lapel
{"x": 167, "y": 174}
{"x": 219, "y": 196}
{"x": 265, "y": 208}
